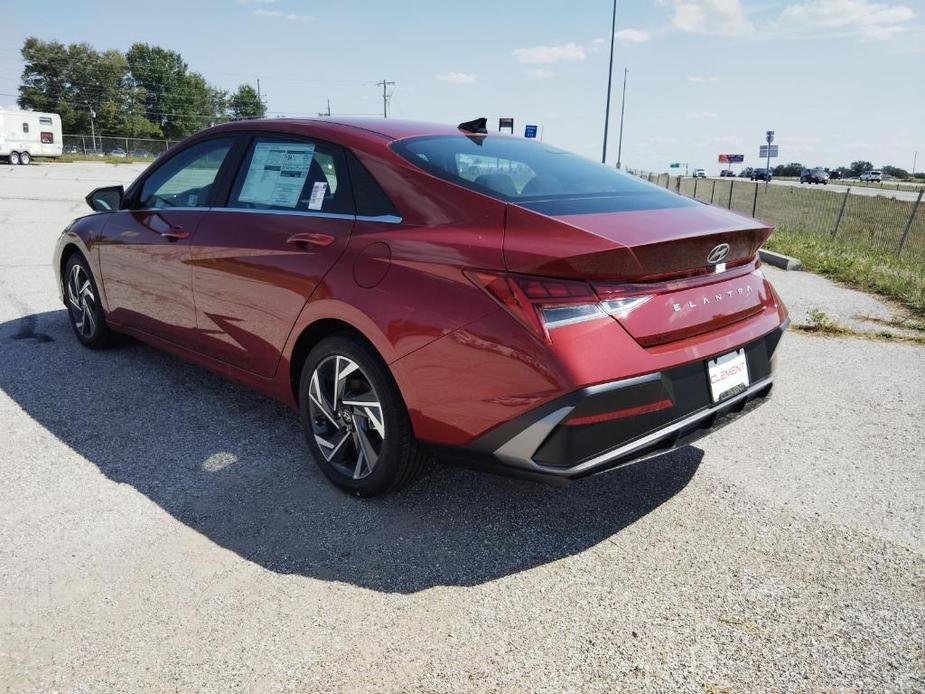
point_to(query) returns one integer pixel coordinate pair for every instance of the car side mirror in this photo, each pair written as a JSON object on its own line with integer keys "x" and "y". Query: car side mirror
{"x": 106, "y": 199}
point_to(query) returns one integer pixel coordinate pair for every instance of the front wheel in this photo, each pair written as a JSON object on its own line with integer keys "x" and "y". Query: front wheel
{"x": 14, "y": 158}
{"x": 355, "y": 419}
{"x": 83, "y": 305}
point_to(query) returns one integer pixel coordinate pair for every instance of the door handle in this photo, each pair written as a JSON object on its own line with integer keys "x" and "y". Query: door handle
{"x": 311, "y": 238}
{"x": 175, "y": 234}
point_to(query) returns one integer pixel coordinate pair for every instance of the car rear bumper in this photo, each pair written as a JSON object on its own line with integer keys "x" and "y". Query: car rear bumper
{"x": 612, "y": 424}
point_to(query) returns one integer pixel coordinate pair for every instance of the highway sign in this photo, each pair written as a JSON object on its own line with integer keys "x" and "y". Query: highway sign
{"x": 676, "y": 165}
{"x": 530, "y": 130}
{"x": 731, "y": 158}
{"x": 768, "y": 151}
{"x": 506, "y": 123}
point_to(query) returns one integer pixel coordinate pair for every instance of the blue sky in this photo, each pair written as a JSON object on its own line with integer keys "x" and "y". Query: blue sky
{"x": 837, "y": 80}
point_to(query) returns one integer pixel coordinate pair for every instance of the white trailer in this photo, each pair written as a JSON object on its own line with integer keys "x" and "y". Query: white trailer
{"x": 28, "y": 134}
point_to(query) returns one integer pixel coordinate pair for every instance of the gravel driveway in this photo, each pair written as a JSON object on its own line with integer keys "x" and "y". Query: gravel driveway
{"x": 163, "y": 529}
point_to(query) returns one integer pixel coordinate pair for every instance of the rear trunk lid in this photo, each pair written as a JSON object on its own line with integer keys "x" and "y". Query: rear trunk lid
{"x": 695, "y": 262}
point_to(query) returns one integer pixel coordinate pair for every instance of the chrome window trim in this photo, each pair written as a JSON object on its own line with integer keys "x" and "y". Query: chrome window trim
{"x": 385, "y": 218}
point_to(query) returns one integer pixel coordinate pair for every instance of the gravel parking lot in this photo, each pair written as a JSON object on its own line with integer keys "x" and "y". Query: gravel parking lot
{"x": 163, "y": 529}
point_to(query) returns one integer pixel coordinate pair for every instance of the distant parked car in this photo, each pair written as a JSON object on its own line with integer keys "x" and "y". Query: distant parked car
{"x": 118, "y": 152}
{"x": 700, "y": 173}
{"x": 834, "y": 175}
{"x": 140, "y": 154}
{"x": 872, "y": 176}
{"x": 817, "y": 175}
{"x": 761, "y": 174}
{"x": 727, "y": 173}
{"x": 95, "y": 152}
{"x": 746, "y": 172}
{"x": 70, "y": 149}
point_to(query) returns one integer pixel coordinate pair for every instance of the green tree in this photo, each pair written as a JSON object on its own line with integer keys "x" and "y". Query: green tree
{"x": 794, "y": 168}
{"x": 859, "y": 167}
{"x": 244, "y": 104}
{"x": 896, "y": 172}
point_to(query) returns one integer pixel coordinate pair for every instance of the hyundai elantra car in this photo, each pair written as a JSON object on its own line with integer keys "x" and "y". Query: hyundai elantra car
{"x": 413, "y": 289}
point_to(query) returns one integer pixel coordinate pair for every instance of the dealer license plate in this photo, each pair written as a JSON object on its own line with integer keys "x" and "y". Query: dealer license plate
{"x": 728, "y": 375}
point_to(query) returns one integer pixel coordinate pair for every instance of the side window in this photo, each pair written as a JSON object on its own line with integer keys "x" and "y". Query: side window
{"x": 371, "y": 200}
{"x": 25, "y": 127}
{"x": 292, "y": 174}
{"x": 48, "y": 138}
{"x": 186, "y": 179}
{"x": 44, "y": 120}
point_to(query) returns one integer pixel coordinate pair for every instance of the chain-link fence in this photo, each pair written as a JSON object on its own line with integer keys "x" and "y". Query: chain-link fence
{"x": 105, "y": 146}
{"x": 876, "y": 221}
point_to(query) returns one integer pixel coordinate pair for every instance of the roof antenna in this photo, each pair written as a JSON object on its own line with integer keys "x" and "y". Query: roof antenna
{"x": 475, "y": 126}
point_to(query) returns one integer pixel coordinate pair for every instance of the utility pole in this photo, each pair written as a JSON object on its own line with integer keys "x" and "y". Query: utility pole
{"x": 328, "y": 112}
{"x": 915, "y": 156}
{"x": 622, "y": 107}
{"x": 385, "y": 97}
{"x": 92, "y": 129}
{"x": 613, "y": 29}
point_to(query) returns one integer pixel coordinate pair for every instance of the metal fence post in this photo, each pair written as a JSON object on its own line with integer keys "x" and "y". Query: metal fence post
{"x": 731, "y": 184}
{"x": 755, "y": 200}
{"x": 712, "y": 191}
{"x": 915, "y": 207}
{"x": 841, "y": 211}
{"x": 679, "y": 185}
{"x": 695, "y": 188}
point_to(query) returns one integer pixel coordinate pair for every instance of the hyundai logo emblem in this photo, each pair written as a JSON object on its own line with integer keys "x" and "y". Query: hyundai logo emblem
{"x": 718, "y": 254}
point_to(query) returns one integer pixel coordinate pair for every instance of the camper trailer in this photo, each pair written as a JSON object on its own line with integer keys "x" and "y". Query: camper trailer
{"x": 28, "y": 134}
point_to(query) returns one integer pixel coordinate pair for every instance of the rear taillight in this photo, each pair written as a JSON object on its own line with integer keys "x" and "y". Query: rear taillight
{"x": 543, "y": 303}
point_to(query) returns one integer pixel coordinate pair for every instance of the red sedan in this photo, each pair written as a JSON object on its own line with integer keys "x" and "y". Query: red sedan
{"x": 413, "y": 288}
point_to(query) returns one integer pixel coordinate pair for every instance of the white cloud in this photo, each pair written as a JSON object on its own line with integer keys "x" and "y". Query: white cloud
{"x": 871, "y": 20}
{"x": 698, "y": 78}
{"x": 598, "y": 41}
{"x": 632, "y": 36}
{"x": 702, "y": 114}
{"x": 456, "y": 78}
{"x": 540, "y": 73}
{"x": 550, "y": 54}
{"x": 719, "y": 17}
{"x": 279, "y": 14}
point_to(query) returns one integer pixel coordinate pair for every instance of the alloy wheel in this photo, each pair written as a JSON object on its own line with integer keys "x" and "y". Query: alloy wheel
{"x": 346, "y": 416}
{"x": 81, "y": 301}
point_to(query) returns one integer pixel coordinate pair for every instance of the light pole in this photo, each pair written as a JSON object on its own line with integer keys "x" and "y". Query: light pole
{"x": 92, "y": 129}
{"x": 622, "y": 108}
{"x": 613, "y": 29}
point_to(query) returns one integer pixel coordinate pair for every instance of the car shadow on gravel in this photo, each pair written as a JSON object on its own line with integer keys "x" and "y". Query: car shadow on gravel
{"x": 234, "y": 466}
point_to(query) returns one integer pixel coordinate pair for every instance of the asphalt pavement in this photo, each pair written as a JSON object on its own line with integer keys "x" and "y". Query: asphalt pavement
{"x": 163, "y": 529}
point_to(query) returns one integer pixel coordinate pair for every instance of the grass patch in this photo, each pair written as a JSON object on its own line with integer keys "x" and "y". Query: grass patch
{"x": 857, "y": 265}
{"x": 820, "y": 323}
{"x": 70, "y": 158}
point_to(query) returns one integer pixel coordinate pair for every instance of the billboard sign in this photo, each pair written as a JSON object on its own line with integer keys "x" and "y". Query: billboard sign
{"x": 731, "y": 158}
{"x": 530, "y": 130}
{"x": 506, "y": 124}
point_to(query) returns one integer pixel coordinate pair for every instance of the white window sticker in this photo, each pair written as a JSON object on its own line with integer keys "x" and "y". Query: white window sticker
{"x": 277, "y": 174}
{"x": 317, "y": 198}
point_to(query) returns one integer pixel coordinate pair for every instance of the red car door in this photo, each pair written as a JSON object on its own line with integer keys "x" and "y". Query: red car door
{"x": 256, "y": 261}
{"x": 145, "y": 250}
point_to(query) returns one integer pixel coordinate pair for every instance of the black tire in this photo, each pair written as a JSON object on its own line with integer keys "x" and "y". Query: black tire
{"x": 400, "y": 460}
{"x": 25, "y": 158}
{"x": 83, "y": 307}
{"x": 13, "y": 158}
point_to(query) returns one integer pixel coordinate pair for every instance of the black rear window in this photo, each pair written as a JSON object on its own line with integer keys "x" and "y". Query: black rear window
{"x": 534, "y": 175}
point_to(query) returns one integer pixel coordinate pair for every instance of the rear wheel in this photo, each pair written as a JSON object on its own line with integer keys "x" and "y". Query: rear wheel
{"x": 355, "y": 420}
{"x": 14, "y": 158}
{"x": 83, "y": 305}
{"x": 25, "y": 159}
